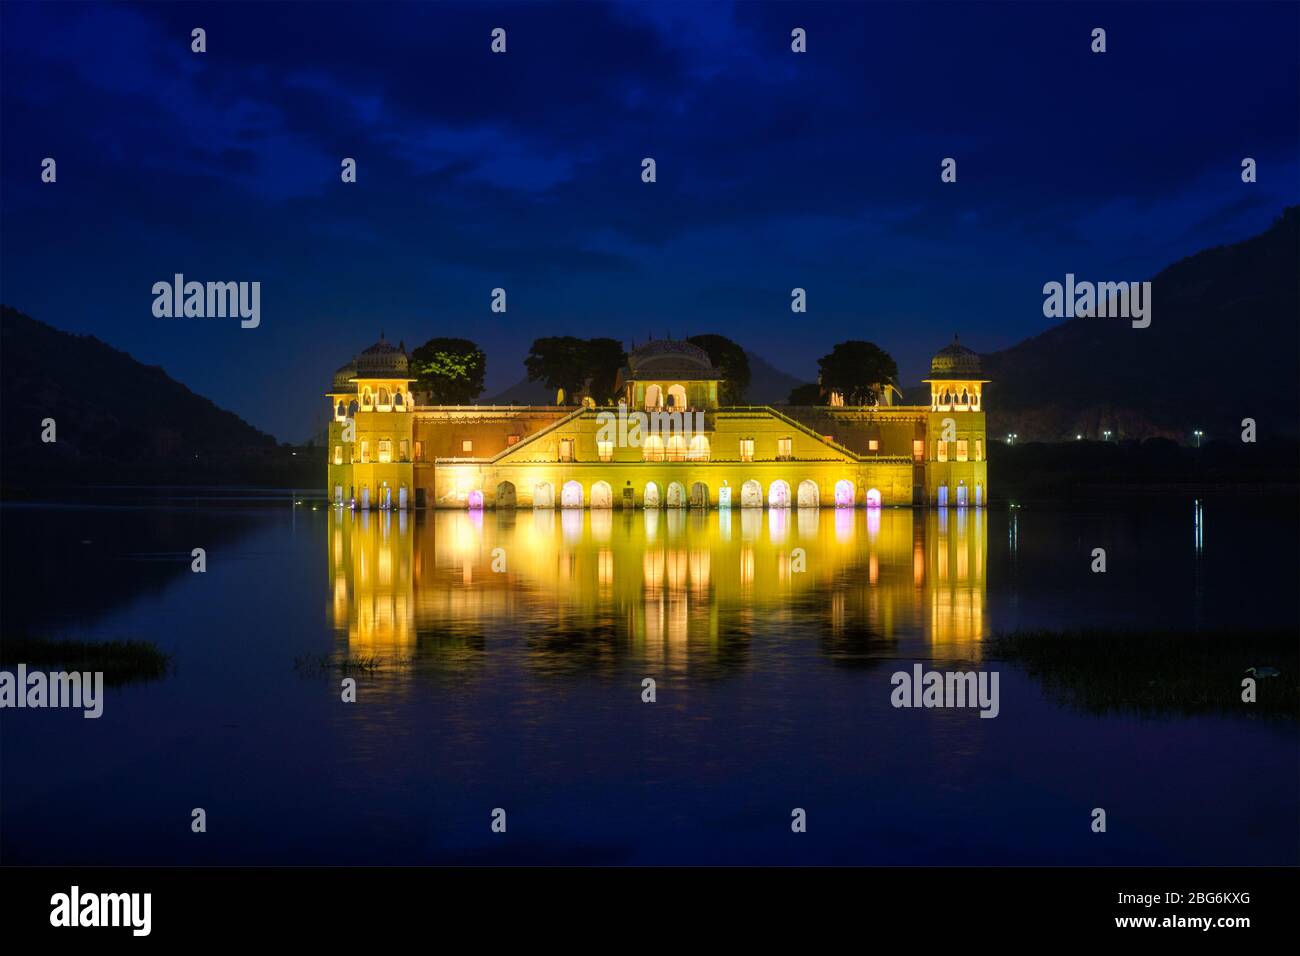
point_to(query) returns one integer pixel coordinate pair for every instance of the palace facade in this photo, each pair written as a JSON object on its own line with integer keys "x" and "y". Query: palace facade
{"x": 668, "y": 444}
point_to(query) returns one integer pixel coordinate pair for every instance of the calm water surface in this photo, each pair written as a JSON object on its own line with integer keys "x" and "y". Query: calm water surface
{"x": 521, "y": 688}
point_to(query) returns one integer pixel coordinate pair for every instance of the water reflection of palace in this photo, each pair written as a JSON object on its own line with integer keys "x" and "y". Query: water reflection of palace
{"x": 675, "y": 586}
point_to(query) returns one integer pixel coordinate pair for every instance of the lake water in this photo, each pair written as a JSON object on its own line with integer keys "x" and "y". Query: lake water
{"x": 519, "y": 686}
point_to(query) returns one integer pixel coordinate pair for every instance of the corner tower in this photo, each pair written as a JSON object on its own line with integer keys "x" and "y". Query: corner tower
{"x": 956, "y": 446}
{"x": 370, "y": 433}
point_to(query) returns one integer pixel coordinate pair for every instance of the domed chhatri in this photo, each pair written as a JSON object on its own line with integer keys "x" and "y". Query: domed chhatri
{"x": 956, "y": 380}
{"x": 383, "y": 359}
{"x": 665, "y": 441}
{"x": 955, "y": 361}
{"x": 662, "y": 355}
{"x": 343, "y": 378}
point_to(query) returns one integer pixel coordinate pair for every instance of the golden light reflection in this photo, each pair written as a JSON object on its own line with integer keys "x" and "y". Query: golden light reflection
{"x": 675, "y": 586}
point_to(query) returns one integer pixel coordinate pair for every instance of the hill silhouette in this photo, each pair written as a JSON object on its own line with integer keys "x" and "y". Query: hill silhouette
{"x": 115, "y": 418}
{"x": 1223, "y": 345}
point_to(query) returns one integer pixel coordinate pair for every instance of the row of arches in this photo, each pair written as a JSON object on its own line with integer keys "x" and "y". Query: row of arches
{"x": 384, "y": 498}
{"x": 960, "y": 496}
{"x": 369, "y": 401}
{"x": 950, "y": 397}
{"x": 676, "y": 495}
{"x": 673, "y": 397}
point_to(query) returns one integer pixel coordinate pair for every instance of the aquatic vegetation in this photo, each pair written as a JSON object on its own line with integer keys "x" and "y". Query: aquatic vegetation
{"x": 361, "y": 664}
{"x": 1159, "y": 672}
{"x": 120, "y": 662}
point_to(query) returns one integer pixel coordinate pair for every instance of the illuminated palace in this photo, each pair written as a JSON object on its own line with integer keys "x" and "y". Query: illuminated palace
{"x": 386, "y": 451}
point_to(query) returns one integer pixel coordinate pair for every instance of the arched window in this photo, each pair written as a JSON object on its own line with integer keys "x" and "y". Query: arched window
{"x": 652, "y": 448}
{"x": 384, "y": 397}
{"x": 778, "y": 495}
{"x": 844, "y": 493}
{"x": 367, "y": 399}
{"x": 342, "y": 409}
{"x": 654, "y": 397}
{"x": 676, "y": 396}
{"x": 699, "y": 448}
{"x": 353, "y": 408}
{"x": 397, "y": 399}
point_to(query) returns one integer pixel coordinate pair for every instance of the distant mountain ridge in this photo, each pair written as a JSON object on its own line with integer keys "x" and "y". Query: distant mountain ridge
{"x": 1223, "y": 345}
{"x": 107, "y": 406}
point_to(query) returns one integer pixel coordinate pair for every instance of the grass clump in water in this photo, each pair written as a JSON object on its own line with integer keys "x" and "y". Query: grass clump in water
{"x": 120, "y": 661}
{"x": 361, "y": 664}
{"x": 1159, "y": 672}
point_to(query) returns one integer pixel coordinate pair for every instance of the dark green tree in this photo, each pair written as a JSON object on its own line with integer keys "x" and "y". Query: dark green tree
{"x": 577, "y": 365}
{"x": 810, "y": 394}
{"x": 732, "y": 364}
{"x": 604, "y": 358}
{"x": 450, "y": 370}
{"x": 857, "y": 370}
{"x": 559, "y": 361}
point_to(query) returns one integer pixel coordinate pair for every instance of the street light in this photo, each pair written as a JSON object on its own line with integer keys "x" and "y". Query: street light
{"x": 1106, "y": 435}
{"x": 1198, "y": 433}
{"x": 1078, "y": 438}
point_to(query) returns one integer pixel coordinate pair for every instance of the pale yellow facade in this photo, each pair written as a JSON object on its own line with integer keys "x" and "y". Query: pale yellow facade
{"x": 668, "y": 444}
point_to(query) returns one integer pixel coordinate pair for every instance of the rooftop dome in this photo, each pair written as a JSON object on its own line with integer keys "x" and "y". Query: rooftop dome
{"x": 344, "y": 376}
{"x": 383, "y": 360}
{"x": 955, "y": 361}
{"x": 667, "y": 356}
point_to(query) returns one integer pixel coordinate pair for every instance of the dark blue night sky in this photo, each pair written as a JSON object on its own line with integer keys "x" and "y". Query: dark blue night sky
{"x": 775, "y": 170}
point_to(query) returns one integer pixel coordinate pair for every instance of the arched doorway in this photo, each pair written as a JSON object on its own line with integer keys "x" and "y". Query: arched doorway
{"x": 571, "y": 495}
{"x": 873, "y": 498}
{"x": 809, "y": 496}
{"x": 724, "y": 496}
{"x": 845, "y": 494}
{"x": 676, "y": 495}
{"x": 338, "y": 495}
{"x": 651, "y": 497}
{"x": 676, "y": 397}
{"x": 506, "y": 495}
{"x": 942, "y": 499}
{"x": 476, "y": 500}
{"x": 654, "y": 396}
{"x": 699, "y": 495}
{"x": 602, "y": 496}
{"x": 401, "y": 497}
{"x": 543, "y": 495}
{"x": 385, "y": 498}
{"x": 979, "y": 495}
{"x": 963, "y": 492}
{"x": 751, "y": 494}
{"x": 778, "y": 495}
